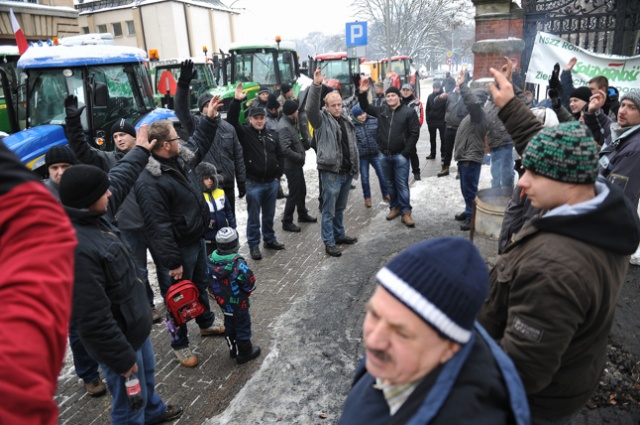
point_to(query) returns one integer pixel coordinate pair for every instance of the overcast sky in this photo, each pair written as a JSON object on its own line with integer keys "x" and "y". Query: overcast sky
{"x": 291, "y": 19}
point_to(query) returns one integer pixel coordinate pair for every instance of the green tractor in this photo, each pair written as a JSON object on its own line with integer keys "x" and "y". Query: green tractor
{"x": 166, "y": 73}
{"x": 9, "y": 90}
{"x": 267, "y": 64}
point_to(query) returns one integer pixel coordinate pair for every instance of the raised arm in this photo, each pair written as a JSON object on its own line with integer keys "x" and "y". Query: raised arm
{"x": 313, "y": 107}
{"x": 76, "y": 137}
{"x": 181, "y": 98}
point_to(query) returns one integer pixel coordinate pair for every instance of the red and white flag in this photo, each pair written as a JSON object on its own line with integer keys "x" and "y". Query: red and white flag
{"x": 21, "y": 40}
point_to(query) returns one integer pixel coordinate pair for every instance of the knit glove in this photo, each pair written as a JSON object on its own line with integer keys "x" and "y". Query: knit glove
{"x": 187, "y": 73}
{"x": 71, "y": 107}
{"x": 555, "y": 88}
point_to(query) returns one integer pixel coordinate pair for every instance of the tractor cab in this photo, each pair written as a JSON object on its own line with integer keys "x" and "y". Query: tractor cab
{"x": 403, "y": 72}
{"x": 338, "y": 69}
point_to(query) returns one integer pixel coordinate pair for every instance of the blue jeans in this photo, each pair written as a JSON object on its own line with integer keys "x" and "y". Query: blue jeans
{"x": 137, "y": 241}
{"x": 86, "y": 367}
{"x": 374, "y": 161}
{"x": 261, "y": 196}
{"x": 469, "y": 177}
{"x": 396, "y": 175}
{"x": 502, "y": 166}
{"x": 153, "y": 407}
{"x": 194, "y": 268}
{"x": 335, "y": 194}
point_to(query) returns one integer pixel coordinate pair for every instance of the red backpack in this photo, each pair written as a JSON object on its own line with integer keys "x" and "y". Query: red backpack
{"x": 183, "y": 303}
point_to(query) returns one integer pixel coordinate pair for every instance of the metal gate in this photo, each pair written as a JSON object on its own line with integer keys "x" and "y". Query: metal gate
{"x": 602, "y": 26}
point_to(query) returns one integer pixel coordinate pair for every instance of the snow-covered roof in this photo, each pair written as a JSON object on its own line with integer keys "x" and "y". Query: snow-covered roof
{"x": 89, "y": 7}
{"x": 9, "y": 50}
{"x": 262, "y": 44}
{"x": 62, "y": 56}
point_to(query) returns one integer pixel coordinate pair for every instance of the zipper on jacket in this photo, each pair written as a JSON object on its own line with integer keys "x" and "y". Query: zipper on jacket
{"x": 264, "y": 151}
{"x": 393, "y": 111}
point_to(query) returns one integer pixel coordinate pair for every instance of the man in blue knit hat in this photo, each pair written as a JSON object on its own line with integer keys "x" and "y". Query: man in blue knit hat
{"x": 426, "y": 358}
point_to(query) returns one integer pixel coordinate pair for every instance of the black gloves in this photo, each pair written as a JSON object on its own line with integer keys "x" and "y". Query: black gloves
{"x": 71, "y": 107}
{"x": 555, "y": 88}
{"x": 186, "y": 73}
{"x": 242, "y": 190}
{"x": 356, "y": 80}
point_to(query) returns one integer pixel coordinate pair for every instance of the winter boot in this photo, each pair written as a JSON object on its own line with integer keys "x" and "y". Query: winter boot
{"x": 246, "y": 351}
{"x": 444, "y": 171}
{"x": 233, "y": 347}
{"x": 407, "y": 220}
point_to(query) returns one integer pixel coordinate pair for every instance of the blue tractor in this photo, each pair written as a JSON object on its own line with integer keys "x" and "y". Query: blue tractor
{"x": 112, "y": 81}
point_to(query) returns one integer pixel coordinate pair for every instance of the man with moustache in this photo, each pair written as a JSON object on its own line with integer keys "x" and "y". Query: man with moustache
{"x": 425, "y": 357}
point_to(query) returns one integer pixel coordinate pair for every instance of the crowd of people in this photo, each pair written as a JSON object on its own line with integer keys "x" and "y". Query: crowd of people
{"x": 445, "y": 341}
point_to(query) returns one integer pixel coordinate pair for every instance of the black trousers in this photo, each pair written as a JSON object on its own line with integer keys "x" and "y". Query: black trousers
{"x": 230, "y": 194}
{"x": 415, "y": 163}
{"x": 297, "y": 194}
{"x": 449, "y": 141}
{"x": 433, "y": 128}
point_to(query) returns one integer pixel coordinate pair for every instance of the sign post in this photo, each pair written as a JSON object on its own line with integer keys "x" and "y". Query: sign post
{"x": 356, "y": 37}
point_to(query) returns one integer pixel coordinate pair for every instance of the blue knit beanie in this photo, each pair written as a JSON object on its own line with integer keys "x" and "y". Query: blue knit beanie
{"x": 357, "y": 110}
{"x": 444, "y": 281}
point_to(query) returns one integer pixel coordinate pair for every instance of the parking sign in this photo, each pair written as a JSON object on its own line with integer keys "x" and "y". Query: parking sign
{"x": 356, "y": 34}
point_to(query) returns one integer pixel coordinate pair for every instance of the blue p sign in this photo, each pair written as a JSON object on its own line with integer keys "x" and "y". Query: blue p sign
{"x": 356, "y": 34}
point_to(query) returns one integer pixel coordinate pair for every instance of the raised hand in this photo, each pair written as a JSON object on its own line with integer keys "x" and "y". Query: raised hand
{"x": 569, "y": 66}
{"x": 71, "y": 107}
{"x": 364, "y": 85}
{"x": 318, "y": 78}
{"x": 239, "y": 94}
{"x": 502, "y": 95}
{"x": 187, "y": 72}
{"x": 216, "y": 103}
{"x": 596, "y": 101}
{"x": 142, "y": 138}
{"x": 462, "y": 77}
{"x": 507, "y": 68}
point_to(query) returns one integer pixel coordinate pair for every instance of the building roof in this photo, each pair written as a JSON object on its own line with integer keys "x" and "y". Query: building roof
{"x": 92, "y": 6}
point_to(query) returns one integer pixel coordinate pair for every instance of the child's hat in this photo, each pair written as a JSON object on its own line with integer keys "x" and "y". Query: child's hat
{"x": 227, "y": 239}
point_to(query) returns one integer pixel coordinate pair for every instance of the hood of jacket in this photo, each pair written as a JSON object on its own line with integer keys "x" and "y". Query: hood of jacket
{"x": 223, "y": 263}
{"x": 611, "y": 224}
{"x": 155, "y": 167}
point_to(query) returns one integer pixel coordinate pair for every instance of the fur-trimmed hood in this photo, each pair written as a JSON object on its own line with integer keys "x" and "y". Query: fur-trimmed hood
{"x": 206, "y": 169}
{"x": 155, "y": 167}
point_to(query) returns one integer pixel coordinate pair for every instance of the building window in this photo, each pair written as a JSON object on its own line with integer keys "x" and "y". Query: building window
{"x": 117, "y": 29}
{"x": 102, "y": 28}
{"x": 85, "y": 30}
{"x": 131, "y": 28}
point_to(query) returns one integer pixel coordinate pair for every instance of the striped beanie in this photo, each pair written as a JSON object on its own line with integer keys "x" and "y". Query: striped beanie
{"x": 565, "y": 153}
{"x": 444, "y": 281}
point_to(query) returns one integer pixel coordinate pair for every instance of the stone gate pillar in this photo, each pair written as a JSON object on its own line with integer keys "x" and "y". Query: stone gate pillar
{"x": 498, "y": 33}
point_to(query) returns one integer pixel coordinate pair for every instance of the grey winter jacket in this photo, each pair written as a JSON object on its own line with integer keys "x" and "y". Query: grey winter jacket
{"x": 456, "y": 110}
{"x": 497, "y": 135}
{"x": 291, "y": 145}
{"x": 328, "y": 135}
{"x": 225, "y": 152}
{"x": 469, "y": 142}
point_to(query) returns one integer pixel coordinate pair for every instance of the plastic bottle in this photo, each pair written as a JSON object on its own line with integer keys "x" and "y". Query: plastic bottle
{"x": 132, "y": 383}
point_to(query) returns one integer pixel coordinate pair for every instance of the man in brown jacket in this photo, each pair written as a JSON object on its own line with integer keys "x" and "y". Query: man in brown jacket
{"x": 554, "y": 289}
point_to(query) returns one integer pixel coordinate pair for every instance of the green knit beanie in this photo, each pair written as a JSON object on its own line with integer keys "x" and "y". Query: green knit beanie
{"x": 565, "y": 153}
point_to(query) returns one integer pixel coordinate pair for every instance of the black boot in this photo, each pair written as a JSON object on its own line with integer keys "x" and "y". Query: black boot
{"x": 233, "y": 347}
{"x": 247, "y": 351}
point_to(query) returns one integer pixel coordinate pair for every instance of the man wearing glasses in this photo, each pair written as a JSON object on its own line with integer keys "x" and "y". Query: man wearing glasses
{"x": 176, "y": 215}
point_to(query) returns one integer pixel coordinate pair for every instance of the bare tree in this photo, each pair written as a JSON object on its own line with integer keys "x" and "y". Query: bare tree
{"x": 421, "y": 29}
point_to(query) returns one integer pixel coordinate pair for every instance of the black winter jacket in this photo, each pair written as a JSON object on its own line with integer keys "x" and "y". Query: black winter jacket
{"x": 263, "y": 158}
{"x": 398, "y": 129}
{"x": 110, "y": 306}
{"x": 170, "y": 197}
{"x": 225, "y": 152}
{"x": 128, "y": 216}
{"x": 435, "y": 109}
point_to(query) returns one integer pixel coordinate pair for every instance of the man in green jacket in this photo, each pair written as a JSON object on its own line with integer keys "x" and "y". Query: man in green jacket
{"x": 554, "y": 289}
